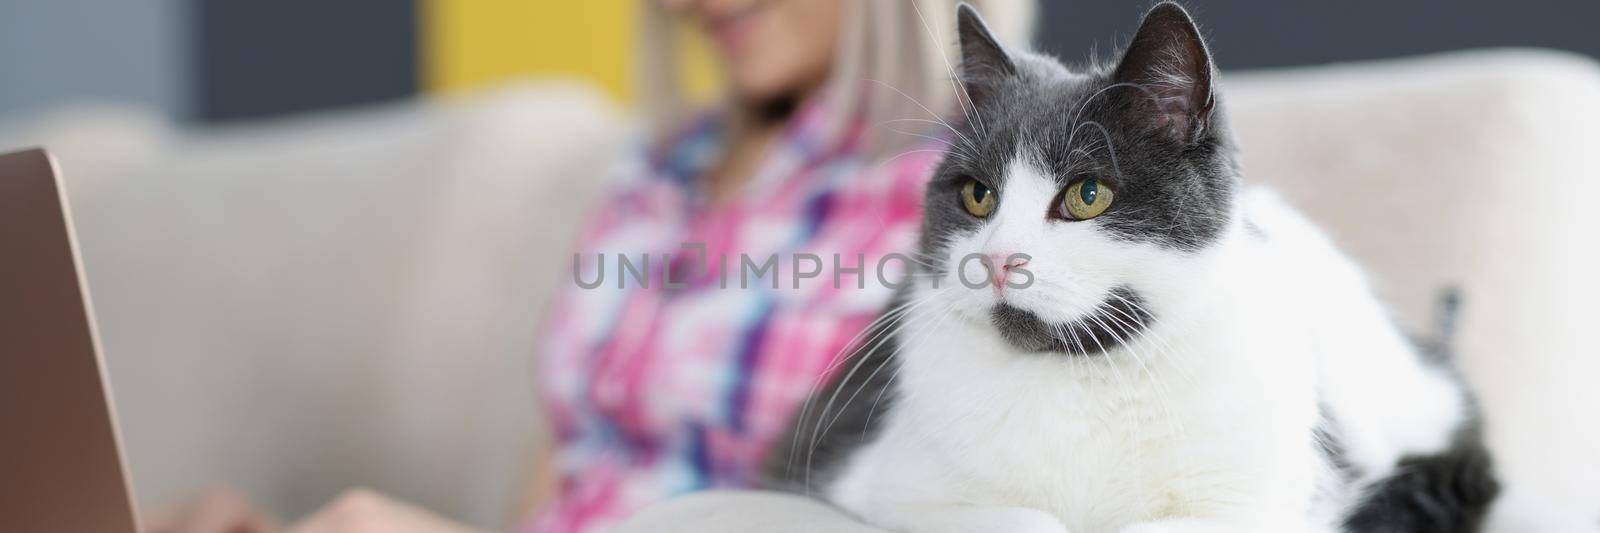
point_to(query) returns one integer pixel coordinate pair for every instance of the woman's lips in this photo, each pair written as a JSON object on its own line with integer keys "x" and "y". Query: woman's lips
{"x": 731, "y": 31}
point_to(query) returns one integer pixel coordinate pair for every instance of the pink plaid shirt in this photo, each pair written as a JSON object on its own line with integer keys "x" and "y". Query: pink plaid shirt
{"x": 655, "y": 391}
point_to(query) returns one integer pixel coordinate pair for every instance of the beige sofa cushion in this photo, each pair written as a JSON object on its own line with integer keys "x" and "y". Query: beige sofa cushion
{"x": 302, "y": 305}
{"x": 1474, "y": 170}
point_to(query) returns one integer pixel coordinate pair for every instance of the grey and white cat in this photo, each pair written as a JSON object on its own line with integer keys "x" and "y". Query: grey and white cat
{"x": 1186, "y": 354}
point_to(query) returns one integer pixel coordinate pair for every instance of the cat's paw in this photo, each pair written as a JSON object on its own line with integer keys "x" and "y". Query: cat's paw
{"x": 974, "y": 519}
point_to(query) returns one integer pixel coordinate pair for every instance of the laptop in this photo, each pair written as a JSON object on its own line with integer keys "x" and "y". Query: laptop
{"x": 61, "y": 462}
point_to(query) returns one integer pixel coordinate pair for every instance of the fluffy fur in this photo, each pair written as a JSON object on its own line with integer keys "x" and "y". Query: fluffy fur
{"x": 1199, "y": 358}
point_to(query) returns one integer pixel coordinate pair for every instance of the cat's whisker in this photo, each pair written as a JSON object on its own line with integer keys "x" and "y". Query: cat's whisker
{"x": 943, "y": 140}
{"x": 1078, "y": 123}
{"x": 1129, "y": 344}
{"x": 946, "y": 142}
{"x": 881, "y": 330}
{"x": 946, "y": 125}
{"x": 930, "y": 112}
{"x": 1077, "y": 343}
{"x": 850, "y": 346}
{"x": 820, "y": 431}
{"x": 1105, "y": 352}
{"x": 1164, "y": 347}
{"x": 874, "y": 409}
{"x": 1111, "y": 150}
{"x": 1163, "y": 395}
{"x": 885, "y": 320}
{"x": 1140, "y": 319}
{"x": 887, "y": 161}
{"x": 893, "y": 356}
{"x": 898, "y": 347}
{"x": 894, "y": 314}
{"x": 920, "y": 120}
{"x": 1076, "y": 153}
{"x": 963, "y": 99}
{"x": 1082, "y": 348}
{"x": 1133, "y": 320}
{"x": 1078, "y": 115}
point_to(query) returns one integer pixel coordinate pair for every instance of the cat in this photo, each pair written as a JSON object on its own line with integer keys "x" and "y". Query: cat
{"x": 1153, "y": 347}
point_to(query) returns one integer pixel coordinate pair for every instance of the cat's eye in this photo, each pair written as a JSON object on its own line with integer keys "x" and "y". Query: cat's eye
{"x": 978, "y": 198}
{"x": 1085, "y": 199}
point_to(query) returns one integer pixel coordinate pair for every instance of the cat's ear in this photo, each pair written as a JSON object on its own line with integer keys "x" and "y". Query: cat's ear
{"x": 1171, "y": 68}
{"x": 983, "y": 60}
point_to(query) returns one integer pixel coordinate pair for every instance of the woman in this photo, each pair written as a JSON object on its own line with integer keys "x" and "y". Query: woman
{"x": 828, "y": 124}
{"x": 657, "y": 391}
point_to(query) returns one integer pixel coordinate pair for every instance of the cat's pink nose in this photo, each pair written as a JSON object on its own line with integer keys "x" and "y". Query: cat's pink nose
{"x": 1001, "y": 267}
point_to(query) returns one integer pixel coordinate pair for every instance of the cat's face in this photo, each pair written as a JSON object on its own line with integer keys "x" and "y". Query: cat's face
{"x": 1090, "y": 189}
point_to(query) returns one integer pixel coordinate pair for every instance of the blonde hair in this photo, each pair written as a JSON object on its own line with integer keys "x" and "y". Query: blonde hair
{"x": 896, "y": 60}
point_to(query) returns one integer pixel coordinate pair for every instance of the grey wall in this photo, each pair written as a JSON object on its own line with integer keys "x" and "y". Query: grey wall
{"x": 342, "y": 52}
{"x": 1274, "y": 33}
{"x": 55, "y": 52}
{"x": 205, "y": 59}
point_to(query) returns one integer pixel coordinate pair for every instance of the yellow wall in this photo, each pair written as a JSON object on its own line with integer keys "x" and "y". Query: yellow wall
{"x": 472, "y": 43}
{"x": 468, "y": 43}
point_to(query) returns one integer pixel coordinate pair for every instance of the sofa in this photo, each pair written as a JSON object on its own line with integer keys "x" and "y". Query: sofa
{"x": 299, "y": 305}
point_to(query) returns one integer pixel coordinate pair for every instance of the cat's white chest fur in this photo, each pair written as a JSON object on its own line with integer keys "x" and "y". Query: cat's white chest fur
{"x": 1209, "y": 412}
{"x": 1153, "y": 430}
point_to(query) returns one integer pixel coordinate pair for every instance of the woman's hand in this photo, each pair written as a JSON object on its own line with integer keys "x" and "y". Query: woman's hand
{"x": 214, "y": 510}
{"x": 366, "y": 511}
{"x": 224, "y": 510}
